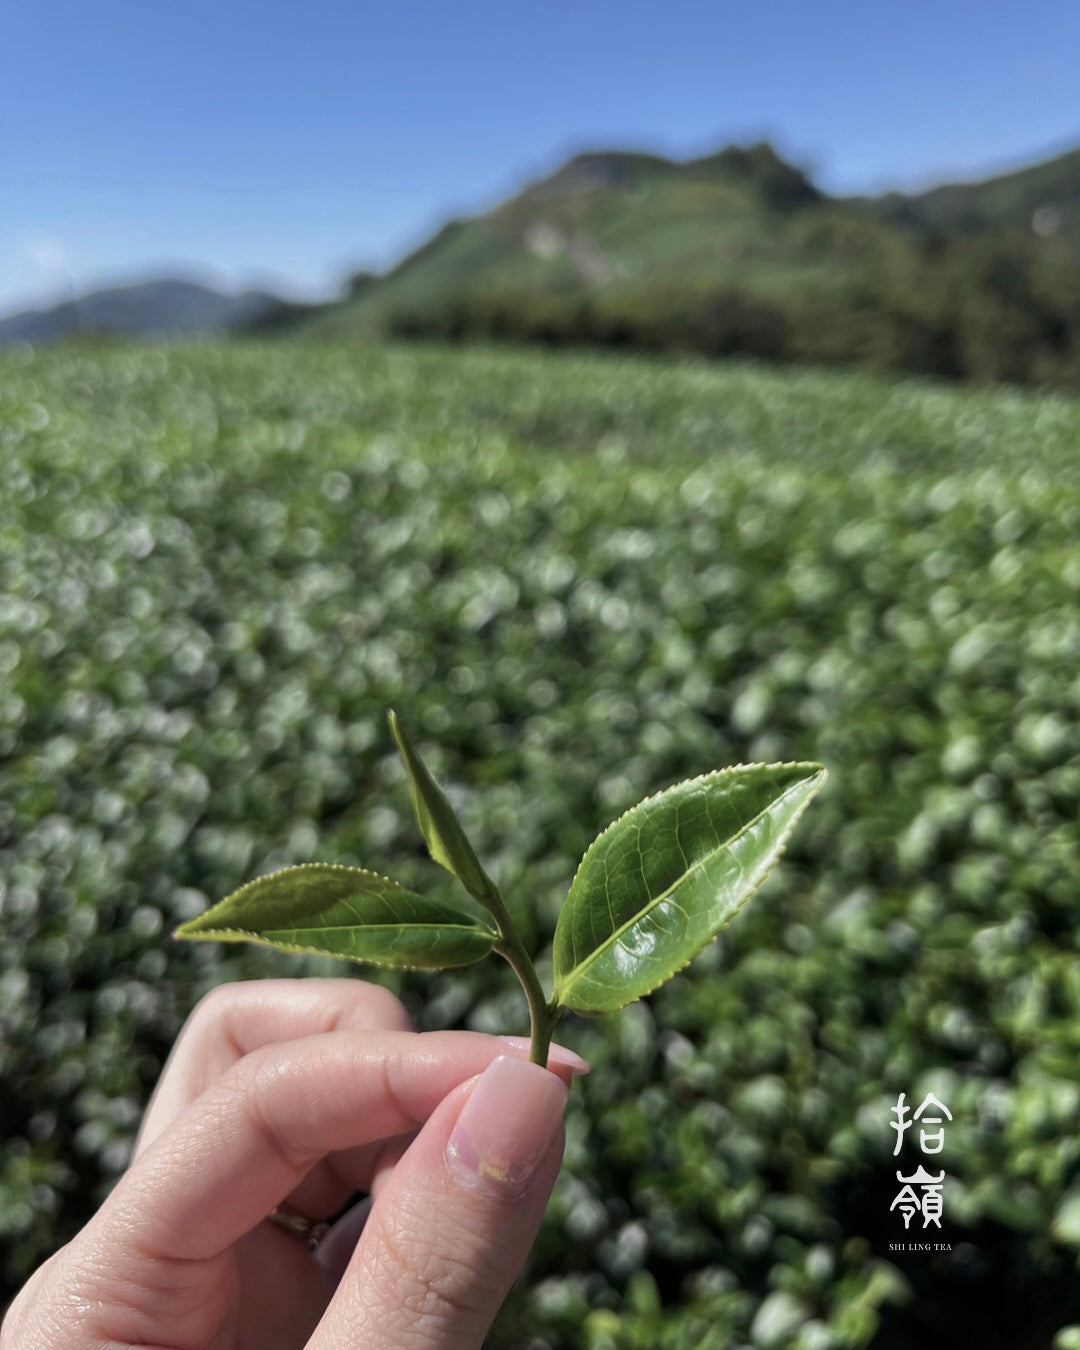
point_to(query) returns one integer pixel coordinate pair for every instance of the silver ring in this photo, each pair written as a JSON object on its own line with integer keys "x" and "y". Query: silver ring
{"x": 309, "y": 1231}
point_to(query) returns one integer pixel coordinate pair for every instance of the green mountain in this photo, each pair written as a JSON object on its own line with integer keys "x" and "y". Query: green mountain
{"x": 626, "y": 235}
{"x": 1043, "y": 198}
{"x": 170, "y": 307}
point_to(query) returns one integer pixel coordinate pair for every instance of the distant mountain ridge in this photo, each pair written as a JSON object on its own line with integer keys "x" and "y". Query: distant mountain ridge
{"x": 741, "y": 252}
{"x": 735, "y": 252}
{"x": 1044, "y": 197}
{"x": 598, "y": 170}
{"x": 170, "y": 307}
{"x": 605, "y": 217}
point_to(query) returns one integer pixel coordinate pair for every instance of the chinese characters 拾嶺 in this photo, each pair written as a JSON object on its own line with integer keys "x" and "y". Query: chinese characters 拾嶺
{"x": 927, "y": 1200}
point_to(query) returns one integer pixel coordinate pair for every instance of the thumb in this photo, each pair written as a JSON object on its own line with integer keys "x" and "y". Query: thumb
{"x": 452, "y": 1226}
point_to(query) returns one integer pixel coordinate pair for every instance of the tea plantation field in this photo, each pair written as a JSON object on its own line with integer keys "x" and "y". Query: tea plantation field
{"x": 578, "y": 579}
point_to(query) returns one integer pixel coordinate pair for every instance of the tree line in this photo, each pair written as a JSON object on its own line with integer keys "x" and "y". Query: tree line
{"x": 985, "y": 309}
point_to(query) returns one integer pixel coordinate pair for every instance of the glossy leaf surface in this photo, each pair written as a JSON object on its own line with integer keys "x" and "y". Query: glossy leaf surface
{"x": 656, "y": 886}
{"x": 439, "y": 825}
{"x": 346, "y": 912}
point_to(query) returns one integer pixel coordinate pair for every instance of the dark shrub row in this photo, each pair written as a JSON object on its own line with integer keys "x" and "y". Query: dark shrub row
{"x": 975, "y": 310}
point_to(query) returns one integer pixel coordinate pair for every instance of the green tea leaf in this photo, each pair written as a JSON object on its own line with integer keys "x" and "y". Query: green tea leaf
{"x": 346, "y": 912}
{"x": 441, "y": 829}
{"x": 660, "y": 883}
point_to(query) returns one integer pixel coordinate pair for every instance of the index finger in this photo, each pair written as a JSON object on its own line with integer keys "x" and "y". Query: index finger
{"x": 235, "y": 1019}
{"x": 231, "y": 1157}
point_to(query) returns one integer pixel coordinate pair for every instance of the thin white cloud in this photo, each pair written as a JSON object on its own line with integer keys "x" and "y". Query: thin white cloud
{"x": 45, "y": 253}
{"x": 36, "y": 270}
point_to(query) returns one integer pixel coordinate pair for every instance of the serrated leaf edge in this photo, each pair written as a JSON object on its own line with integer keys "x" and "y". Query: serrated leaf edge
{"x": 242, "y": 935}
{"x": 686, "y": 782}
{"x": 308, "y": 867}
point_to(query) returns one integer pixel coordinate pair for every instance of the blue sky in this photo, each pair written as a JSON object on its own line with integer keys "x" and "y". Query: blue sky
{"x": 291, "y": 142}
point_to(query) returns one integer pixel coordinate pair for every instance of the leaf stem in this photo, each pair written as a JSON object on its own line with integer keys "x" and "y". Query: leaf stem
{"x": 541, "y": 1017}
{"x": 509, "y": 946}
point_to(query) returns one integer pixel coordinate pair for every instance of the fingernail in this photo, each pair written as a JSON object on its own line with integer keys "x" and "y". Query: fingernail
{"x": 506, "y": 1127}
{"x": 557, "y": 1054}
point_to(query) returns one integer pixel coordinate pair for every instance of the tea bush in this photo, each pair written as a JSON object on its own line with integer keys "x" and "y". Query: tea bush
{"x": 578, "y": 579}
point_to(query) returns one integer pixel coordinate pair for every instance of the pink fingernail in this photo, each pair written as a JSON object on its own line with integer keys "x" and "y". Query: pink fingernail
{"x": 506, "y": 1127}
{"x": 557, "y": 1054}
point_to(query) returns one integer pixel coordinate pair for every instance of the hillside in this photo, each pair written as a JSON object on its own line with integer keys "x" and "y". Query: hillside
{"x": 740, "y": 253}
{"x": 168, "y": 307}
{"x": 734, "y": 253}
{"x": 615, "y": 222}
{"x": 1044, "y": 198}
{"x": 618, "y": 222}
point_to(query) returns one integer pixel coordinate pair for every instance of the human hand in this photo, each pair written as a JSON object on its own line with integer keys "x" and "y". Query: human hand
{"x": 299, "y": 1094}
